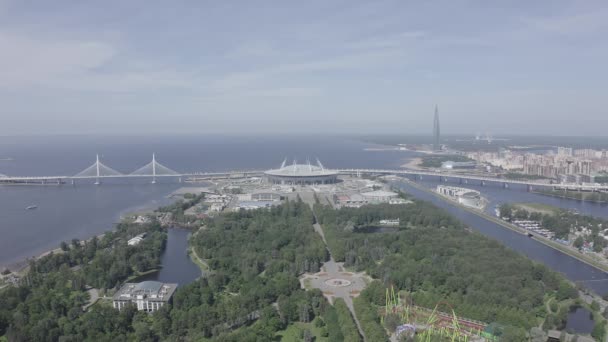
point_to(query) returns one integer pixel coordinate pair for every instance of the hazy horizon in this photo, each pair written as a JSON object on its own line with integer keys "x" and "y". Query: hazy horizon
{"x": 327, "y": 67}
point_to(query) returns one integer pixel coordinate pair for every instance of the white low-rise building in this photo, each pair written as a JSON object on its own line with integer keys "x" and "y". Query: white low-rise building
{"x": 380, "y": 196}
{"x": 390, "y": 222}
{"x": 147, "y": 296}
{"x": 136, "y": 240}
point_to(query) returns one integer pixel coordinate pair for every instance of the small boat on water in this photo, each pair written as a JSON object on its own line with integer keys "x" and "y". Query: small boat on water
{"x": 31, "y": 207}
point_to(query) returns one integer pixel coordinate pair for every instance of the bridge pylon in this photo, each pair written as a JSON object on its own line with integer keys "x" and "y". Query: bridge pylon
{"x": 98, "y": 170}
{"x": 154, "y": 169}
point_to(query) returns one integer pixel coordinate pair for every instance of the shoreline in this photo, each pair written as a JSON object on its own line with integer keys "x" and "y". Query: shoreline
{"x": 21, "y": 266}
{"x": 412, "y": 164}
{"x": 549, "y": 243}
{"x": 568, "y": 197}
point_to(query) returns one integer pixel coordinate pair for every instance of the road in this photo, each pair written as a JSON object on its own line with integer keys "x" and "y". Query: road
{"x": 335, "y": 282}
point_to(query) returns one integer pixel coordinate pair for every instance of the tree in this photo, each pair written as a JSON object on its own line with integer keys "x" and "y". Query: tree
{"x": 391, "y": 321}
{"x": 599, "y": 331}
{"x": 578, "y": 242}
{"x": 513, "y": 334}
{"x": 307, "y": 336}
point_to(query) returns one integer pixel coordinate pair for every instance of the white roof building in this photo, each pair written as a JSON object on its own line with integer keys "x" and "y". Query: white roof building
{"x": 380, "y": 195}
{"x": 136, "y": 240}
{"x": 148, "y": 296}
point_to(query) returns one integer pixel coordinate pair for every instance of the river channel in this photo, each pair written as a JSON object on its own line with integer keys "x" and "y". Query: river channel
{"x": 573, "y": 269}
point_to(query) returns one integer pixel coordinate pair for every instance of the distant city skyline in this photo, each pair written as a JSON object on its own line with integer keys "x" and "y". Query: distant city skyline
{"x": 353, "y": 67}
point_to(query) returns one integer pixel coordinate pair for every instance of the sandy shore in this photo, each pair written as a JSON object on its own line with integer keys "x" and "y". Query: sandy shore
{"x": 413, "y": 164}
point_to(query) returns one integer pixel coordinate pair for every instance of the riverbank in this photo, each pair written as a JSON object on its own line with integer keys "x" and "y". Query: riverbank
{"x": 549, "y": 243}
{"x": 561, "y": 195}
{"x": 20, "y": 268}
{"x": 196, "y": 258}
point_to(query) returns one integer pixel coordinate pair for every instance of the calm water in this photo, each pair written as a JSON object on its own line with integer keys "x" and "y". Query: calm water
{"x": 573, "y": 269}
{"x": 580, "y": 321}
{"x": 517, "y": 193}
{"x": 81, "y": 211}
{"x": 177, "y": 265}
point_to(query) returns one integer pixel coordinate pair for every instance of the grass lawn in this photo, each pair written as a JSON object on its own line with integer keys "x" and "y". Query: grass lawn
{"x": 294, "y": 331}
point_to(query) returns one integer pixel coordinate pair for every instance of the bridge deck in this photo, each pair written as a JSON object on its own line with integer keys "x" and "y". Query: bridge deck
{"x": 16, "y": 179}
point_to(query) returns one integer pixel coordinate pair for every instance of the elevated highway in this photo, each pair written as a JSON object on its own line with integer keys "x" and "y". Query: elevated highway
{"x": 154, "y": 170}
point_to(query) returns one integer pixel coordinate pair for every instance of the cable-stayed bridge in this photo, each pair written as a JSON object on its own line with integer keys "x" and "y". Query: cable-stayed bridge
{"x": 153, "y": 170}
{"x": 99, "y": 171}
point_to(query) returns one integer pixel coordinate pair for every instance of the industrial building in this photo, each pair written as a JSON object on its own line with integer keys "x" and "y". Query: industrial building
{"x": 302, "y": 174}
{"x": 147, "y": 296}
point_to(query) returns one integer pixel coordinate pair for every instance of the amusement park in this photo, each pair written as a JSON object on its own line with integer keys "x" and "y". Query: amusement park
{"x": 415, "y": 323}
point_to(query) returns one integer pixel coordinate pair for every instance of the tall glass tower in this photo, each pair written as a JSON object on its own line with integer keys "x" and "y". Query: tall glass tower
{"x": 436, "y": 131}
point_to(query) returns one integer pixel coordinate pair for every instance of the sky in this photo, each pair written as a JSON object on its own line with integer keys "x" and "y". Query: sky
{"x": 317, "y": 66}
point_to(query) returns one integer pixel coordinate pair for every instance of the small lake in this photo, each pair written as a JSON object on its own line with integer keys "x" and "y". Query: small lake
{"x": 376, "y": 229}
{"x": 177, "y": 267}
{"x": 579, "y": 321}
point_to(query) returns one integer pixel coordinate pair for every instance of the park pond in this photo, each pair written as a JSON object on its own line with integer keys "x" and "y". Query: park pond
{"x": 580, "y": 320}
{"x": 375, "y": 229}
{"x": 177, "y": 267}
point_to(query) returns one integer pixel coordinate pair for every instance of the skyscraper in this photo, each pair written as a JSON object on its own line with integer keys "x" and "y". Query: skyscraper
{"x": 436, "y": 144}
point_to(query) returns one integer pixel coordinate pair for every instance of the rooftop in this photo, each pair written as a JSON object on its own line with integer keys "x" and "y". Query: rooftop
{"x": 301, "y": 170}
{"x": 380, "y": 193}
{"x": 146, "y": 289}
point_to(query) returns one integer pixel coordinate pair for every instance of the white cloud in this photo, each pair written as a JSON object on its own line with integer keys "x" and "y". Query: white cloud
{"x": 79, "y": 66}
{"x": 399, "y": 40}
{"x": 26, "y": 61}
{"x": 571, "y": 23}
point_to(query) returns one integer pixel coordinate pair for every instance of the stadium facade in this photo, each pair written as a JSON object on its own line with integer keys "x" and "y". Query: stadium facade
{"x": 301, "y": 174}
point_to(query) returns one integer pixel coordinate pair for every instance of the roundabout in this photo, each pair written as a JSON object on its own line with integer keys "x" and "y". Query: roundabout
{"x": 336, "y": 282}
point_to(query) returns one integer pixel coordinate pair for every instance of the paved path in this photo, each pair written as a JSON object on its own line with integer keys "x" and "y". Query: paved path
{"x": 94, "y": 297}
{"x": 335, "y": 282}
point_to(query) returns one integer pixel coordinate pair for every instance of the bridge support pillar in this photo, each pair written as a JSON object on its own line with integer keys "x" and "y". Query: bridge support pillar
{"x": 180, "y": 179}
{"x": 43, "y": 181}
{"x": 73, "y": 182}
{"x": 483, "y": 183}
{"x": 529, "y": 188}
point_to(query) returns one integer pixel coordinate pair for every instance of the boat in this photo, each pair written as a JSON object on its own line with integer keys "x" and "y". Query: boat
{"x": 31, "y": 207}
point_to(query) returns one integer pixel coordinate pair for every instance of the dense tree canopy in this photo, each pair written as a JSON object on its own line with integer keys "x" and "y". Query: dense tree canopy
{"x": 435, "y": 259}
{"x": 48, "y": 304}
{"x": 252, "y": 290}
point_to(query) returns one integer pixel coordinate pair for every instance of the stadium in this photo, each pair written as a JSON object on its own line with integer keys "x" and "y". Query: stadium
{"x": 301, "y": 174}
